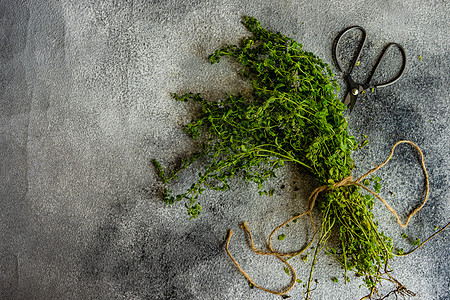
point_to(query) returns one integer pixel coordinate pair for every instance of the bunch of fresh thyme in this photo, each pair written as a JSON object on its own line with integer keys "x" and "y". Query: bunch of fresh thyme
{"x": 292, "y": 116}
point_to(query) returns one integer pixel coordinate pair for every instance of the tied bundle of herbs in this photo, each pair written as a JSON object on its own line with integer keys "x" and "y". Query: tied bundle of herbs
{"x": 293, "y": 116}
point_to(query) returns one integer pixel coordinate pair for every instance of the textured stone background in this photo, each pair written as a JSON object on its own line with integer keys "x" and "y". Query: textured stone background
{"x": 85, "y": 106}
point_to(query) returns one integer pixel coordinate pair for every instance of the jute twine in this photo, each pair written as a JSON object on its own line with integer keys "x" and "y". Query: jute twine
{"x": 348, "y": 181}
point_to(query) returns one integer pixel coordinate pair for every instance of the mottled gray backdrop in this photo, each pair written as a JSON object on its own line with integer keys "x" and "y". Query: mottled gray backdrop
{"x": 85, "y": 105}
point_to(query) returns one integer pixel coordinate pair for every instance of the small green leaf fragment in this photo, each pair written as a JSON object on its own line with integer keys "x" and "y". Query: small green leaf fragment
{"x": 416, "y": 242}
{"x": 279, "y": 86}
{"x": 364, "y": 143}
{"x": 286, "y": 270}
{"x": 334, "y": 279}
{"x": 159, "y": 170}
{"x": 299, "y": 281}
{"x": 281, "y": 237}
{"x": 377, "y": 187}
{"x": 404, "y": 235}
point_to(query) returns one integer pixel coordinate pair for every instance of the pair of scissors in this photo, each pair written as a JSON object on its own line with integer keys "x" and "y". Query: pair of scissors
{"x": 356, "y": 89}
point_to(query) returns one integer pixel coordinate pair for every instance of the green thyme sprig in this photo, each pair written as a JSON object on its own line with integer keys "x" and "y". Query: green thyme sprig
{"x": 293, "y": 116}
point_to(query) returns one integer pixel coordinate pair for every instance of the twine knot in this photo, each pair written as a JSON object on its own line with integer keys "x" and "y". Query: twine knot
{"x": 347, "y": 181}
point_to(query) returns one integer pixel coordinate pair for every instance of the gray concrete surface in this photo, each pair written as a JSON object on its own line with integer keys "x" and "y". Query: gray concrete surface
{"x": 85, "y": 106}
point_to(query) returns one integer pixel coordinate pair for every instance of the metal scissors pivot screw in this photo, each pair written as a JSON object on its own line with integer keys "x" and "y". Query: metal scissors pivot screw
{"x": 355, "y": 89}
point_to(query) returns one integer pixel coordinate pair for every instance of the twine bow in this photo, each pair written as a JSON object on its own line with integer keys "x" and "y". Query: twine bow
{"x": 348, "y": 181}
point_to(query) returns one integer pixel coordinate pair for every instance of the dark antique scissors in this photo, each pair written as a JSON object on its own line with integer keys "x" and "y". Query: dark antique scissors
{"x": 355, "y": 89}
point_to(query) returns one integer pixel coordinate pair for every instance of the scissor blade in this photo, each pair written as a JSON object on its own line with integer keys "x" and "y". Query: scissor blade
{"x": 352, "y": 101}
{"x": 348, "y": 99}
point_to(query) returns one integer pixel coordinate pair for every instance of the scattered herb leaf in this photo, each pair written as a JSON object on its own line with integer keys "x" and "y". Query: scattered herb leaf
{"x": 286, "y": 270}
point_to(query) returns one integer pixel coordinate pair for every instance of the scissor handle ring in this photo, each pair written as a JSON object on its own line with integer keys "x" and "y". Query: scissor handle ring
{"x": 379, "y": 61}
{"x": 338, "y": 39}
